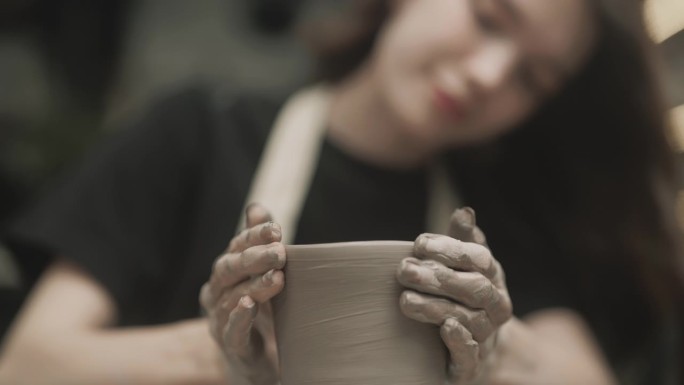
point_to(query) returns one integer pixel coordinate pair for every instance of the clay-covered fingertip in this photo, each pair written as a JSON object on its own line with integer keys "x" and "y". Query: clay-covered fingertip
{"x": 277, "y": 277}
{"x": 247, "y": 302}
{"x": 451, "y": 323}
{"x": 256, "y": 209}
{"x": 276, "y": 231}
{"x": 409, "y": 273}
{"x": 409, "y": 296}
{"x": 421, "y": 243}
{"x": 465, "y": 217}
{"x": 277, "y": 253}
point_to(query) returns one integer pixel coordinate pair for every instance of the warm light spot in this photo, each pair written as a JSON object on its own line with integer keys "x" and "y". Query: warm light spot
{"x": 665, "y": 18}
{"x": 677, "y": 117}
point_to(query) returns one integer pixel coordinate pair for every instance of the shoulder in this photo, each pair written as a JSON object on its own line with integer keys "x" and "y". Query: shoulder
{"x": 190, "y": 125}
{"x": 199, "y": 110}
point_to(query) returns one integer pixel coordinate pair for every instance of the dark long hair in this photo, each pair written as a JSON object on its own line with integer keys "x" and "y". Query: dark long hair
{"x": 588, "y": 181}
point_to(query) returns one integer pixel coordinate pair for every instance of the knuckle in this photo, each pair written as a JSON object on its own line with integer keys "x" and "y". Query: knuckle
{"x": 221, "y": 266}
{"x": 477, "y": 317}
{"x": 205, "y": 296}
{"x": 506, "y": 309}
{"x": 480, "y": 325}
{"x": 242, "y": 235}
{"x": 484, "y": 293}
{"x": 492, "y": 266}
{"x": 473, "y": 290}
{"x": 459, "y": 257}
{"x": 232, "y": 245}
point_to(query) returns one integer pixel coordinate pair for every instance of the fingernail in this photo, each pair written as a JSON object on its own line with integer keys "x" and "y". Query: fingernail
{"x": 412, "y": 272}
{"x": 276, "y": 231}
{"x": 411, "y": 261}
{"x": 465, "y": 217}
{"x": 422, "y": 241}
{"x": 277, "y": 277}
{"x": 246, "y": 302}
{"x": 249, "y": 207}
{"x": 276, "y": 253}
{"x": 451, "y": 323}
{"x": 268, "y": 277}
{"x": 411, "y": 297}
{"x": 270, "y": 232}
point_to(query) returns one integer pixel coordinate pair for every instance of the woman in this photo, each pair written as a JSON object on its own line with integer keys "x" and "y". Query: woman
{"x": 549, "y": 120}
{"x": 413, "y": 65}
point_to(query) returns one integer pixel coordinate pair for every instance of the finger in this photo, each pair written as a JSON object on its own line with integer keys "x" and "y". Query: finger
{"x": 260, "y": 234}
{"x": 463, "y": 227}
{"x": 473, "y": 290}
{"x": 428, "y": 309}
{"x": 236, "y": 336}
{"x": 230, "y": 269}
{"x": 260, "y": 289}
{"x": 464, "y": 351}
{"x": 255, "y": 214}
{"x": 465, "y": 256}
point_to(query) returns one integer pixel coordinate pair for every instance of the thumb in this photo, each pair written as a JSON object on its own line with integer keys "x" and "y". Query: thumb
{"x": 463, "y": 227}
{"x": 256, "y": 214}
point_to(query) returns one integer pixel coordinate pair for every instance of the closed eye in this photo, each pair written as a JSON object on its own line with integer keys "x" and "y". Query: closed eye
{"x": 487, "y": 15}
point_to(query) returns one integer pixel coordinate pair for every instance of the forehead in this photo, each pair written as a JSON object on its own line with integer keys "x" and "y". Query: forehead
{"x": 559, "y": 30}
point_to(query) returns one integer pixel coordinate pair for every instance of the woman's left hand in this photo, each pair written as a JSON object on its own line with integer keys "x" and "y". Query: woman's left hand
{"x": 458, "y": 285}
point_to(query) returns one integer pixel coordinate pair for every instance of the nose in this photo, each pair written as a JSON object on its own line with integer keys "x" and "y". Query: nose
{"x": 491, "y": 66}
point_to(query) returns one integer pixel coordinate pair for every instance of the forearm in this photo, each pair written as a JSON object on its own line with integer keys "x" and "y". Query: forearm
{"x": 551, "y": 347}
{"x": 140, "y": 356}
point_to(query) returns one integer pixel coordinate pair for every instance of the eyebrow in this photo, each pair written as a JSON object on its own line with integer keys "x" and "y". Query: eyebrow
{"x": 514, "y": 12}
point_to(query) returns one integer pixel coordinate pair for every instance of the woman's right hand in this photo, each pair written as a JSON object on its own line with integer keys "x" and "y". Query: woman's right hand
{"x": 236, "y": 299}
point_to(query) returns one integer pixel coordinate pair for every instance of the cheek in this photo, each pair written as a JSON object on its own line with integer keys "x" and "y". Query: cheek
{"x": 422, "y": 34}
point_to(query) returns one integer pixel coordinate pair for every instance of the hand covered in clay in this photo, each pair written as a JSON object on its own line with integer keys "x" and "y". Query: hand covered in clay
{"x": 236, "y": 299}
{"x": 456, "y": 283}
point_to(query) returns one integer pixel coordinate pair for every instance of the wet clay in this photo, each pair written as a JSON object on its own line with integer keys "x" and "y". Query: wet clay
{"x": 338, "y": 320}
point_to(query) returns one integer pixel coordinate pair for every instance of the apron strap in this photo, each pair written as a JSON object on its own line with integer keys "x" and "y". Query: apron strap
{"x": 289, "y": 160}
{"x": 288, "y": 163}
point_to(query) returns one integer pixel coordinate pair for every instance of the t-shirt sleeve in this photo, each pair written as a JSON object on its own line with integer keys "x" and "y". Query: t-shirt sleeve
{"x": 118, "y": 215}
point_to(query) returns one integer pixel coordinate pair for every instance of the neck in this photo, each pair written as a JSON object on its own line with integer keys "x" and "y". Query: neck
{"x": 362, "y": 125}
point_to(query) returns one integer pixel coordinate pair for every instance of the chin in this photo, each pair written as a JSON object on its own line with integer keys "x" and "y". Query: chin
{"x": 424, "y": 133}
{"x": 419, "y": 123}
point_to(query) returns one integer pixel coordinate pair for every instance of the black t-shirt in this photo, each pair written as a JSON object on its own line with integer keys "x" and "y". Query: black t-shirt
{"x": 151, "y": 208}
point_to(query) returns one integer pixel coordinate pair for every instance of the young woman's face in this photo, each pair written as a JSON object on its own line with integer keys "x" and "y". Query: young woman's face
{"x": 463, "y": 71}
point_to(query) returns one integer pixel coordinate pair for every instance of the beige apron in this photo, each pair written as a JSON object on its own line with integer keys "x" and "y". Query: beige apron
{"x": 289, "y": 160}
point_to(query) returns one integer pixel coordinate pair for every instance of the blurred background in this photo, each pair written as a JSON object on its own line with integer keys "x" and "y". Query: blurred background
{"x": 69, "y": 68}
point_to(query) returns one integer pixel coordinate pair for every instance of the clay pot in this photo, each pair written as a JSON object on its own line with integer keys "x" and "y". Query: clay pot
{"x": 338, "y": 319}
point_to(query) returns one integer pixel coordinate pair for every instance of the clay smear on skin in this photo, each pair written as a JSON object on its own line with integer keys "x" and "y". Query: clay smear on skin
{"x": 338, "y": 319}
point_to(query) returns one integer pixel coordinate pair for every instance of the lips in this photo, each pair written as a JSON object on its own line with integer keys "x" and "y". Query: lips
{"x": 449, "y": 104}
